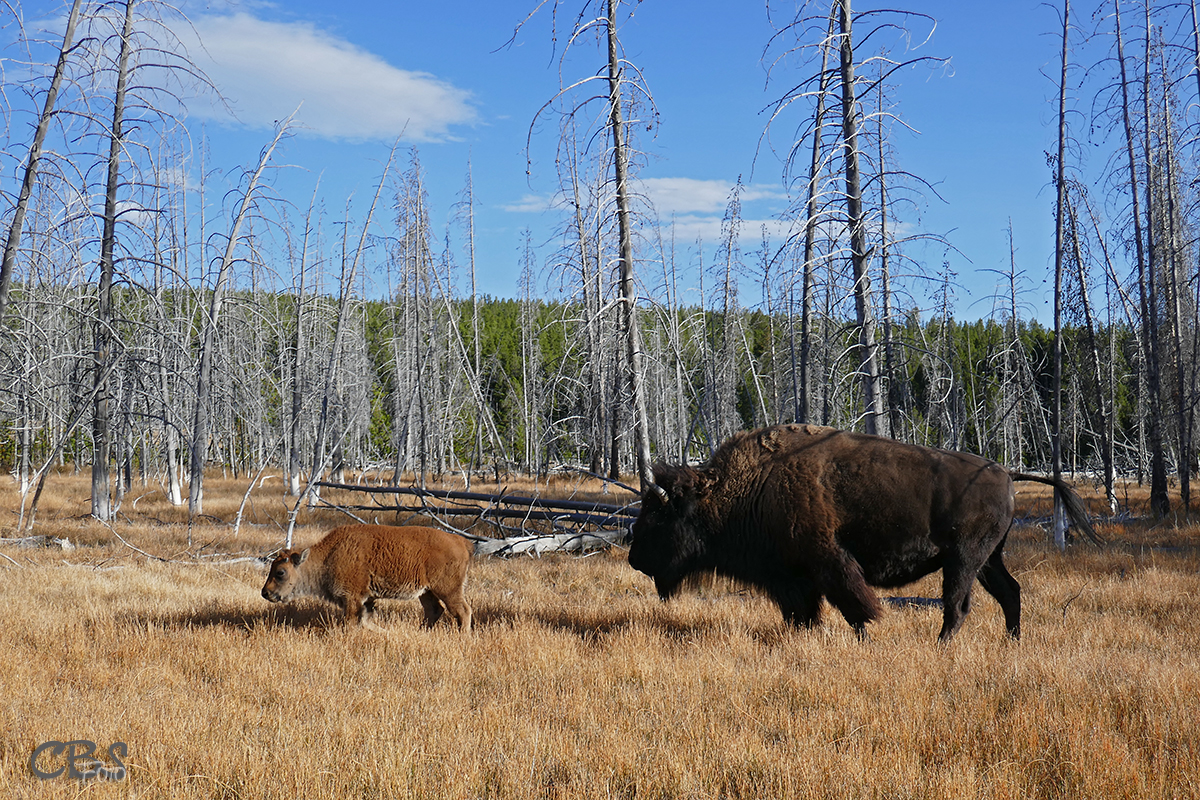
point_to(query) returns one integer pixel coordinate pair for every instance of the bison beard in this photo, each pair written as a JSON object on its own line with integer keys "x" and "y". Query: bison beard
{"x": 805, "y": 512}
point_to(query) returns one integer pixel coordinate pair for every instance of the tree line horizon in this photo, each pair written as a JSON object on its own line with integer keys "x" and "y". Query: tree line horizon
{"x": 529, "y": 350}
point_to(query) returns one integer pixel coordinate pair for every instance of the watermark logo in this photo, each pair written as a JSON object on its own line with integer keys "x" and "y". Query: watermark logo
{"x": 79, "y": 761}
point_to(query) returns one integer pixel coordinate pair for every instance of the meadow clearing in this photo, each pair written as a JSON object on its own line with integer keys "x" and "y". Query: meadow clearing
{"x": 577, "y": 682}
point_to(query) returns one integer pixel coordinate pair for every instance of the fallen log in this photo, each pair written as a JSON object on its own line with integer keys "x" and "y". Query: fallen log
{"x": 611, "y": 523}
{"x": 40, "y": 541}
{"x": 627, "y": 510}
{"x": 600, "y": 520}
{"x": 539, "y": 545}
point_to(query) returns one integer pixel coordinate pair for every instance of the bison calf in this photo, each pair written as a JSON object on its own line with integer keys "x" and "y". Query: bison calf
{"x": 805, "y": 512}
{"x": 355, "y": 565}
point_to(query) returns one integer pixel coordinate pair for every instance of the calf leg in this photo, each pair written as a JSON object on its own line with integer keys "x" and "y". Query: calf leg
{"x": 1001, "y": 585}
{"x": 456, "y": 604}
{"x": 432, "y": 606}
{"x": 358, "y": 610}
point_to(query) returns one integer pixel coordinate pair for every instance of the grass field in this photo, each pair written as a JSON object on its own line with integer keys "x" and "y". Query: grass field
{"x": 577, "y": 681}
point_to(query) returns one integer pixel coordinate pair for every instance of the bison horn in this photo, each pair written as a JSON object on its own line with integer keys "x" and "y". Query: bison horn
{"x": 660, "y": 492}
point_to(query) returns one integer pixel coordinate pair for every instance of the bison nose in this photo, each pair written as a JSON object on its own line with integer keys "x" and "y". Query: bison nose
{"x": 266, "y": 595}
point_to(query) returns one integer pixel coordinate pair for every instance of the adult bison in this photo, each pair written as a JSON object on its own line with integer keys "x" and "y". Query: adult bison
{"x": 355, "y": 565}
{"x": 805, "y": 512}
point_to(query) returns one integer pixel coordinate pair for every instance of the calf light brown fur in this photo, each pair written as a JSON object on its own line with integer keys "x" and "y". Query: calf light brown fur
{"x": 355, "y": 565}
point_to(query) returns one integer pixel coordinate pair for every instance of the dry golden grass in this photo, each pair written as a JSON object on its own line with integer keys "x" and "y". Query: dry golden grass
{"x": 579, "y": 683}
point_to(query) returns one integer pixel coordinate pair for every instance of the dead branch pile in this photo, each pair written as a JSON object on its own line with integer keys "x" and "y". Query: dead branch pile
{"x": 577, "y": 525}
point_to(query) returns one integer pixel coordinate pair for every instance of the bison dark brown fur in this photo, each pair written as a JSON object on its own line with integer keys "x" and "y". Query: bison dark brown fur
{"x": 355, "y": 565}
{"x": 805, "y": 512}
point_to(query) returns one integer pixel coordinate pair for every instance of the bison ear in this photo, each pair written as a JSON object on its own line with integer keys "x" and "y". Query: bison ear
{"x": 300, "y": 558}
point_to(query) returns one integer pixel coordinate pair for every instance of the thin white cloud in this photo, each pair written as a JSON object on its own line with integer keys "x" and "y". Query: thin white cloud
{"x": 266, "y": 69}
{"x": 530, "y": 203}
{"x": 693, "y": 196}
{"x": 693, "y": 209}
{"x": 689, "y": 228}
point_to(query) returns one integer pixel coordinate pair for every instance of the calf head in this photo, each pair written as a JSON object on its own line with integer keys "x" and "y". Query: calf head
{"x": 669, "y": 536}
{"x": 282, "y": 576}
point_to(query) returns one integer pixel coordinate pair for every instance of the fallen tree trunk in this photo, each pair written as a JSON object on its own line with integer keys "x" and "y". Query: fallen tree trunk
{"x": 626, "y": 510}
{"x": 538, "y": 545}
{"x": 599, "y": 520}
{"x": 610, "y": 523}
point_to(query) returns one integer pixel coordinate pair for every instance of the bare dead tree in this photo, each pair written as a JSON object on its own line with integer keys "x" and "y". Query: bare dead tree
{"x": 725, "y": 358}
{"x": 1144, "y": 252}
{"x": 210, "y": 323}
{"x": 101, "y": 501}
{"x": 1100, "y": 410}
{"x": 296, "y": 354}
{"x": 1174, "y": 284}
{"x": 349, "y": 275}
{"x": 812, "y": 215}
{"x": 616, "y": 81}
{"x": 812, "y": 220}
{"x": 1060, "y": 224}
{"x": 623, "y": 82}
{"x": 12, "y": 242}
{"x": 810, "y": 31}
{"x": 873, "y": 414}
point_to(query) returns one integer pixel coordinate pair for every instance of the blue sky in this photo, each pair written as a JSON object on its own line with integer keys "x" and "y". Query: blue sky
{"x": 362, "y": 72}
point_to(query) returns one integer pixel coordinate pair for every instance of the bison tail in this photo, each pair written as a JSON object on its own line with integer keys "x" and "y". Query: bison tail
{"x": 1076, "y": 511}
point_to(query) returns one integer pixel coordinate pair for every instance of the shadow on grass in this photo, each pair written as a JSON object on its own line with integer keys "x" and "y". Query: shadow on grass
{"x": 297, "y": 616}
{"x": 579, "y": 622}
{"x": 595, "y": 626}
{"x": 590, "y": 626}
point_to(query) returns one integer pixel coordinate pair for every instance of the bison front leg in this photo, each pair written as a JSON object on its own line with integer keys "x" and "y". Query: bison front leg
{"x": 849, "y": 593}
{"x": 801, "y": 606}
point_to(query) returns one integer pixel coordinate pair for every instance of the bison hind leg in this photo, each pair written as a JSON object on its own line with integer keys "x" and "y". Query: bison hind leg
{"x": 1000, "y": 584}
{"x": 958, "y": 577}
{"x": 453, "y": 602}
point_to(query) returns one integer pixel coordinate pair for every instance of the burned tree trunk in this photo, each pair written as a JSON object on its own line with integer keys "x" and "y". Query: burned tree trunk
{"x": 102, "y": 408}
{"x": 874, "y": 420}
{"x": 13, "y": 242}
{"x": 629, "y": 321}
